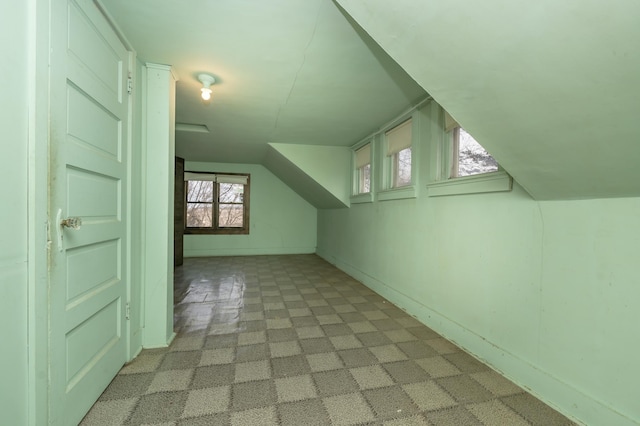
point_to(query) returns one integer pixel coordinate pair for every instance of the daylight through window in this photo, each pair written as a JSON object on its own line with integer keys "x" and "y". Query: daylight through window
{"x": 216, "y": 203}
{"x": 363, "y": 169}
{"x": 399, "y": 154}
{"x": 470, "y": 158}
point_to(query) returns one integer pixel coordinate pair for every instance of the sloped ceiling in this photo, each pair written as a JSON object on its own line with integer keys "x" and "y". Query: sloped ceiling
{"x": 551, "y": 88}
{"x": 287, "y": 71}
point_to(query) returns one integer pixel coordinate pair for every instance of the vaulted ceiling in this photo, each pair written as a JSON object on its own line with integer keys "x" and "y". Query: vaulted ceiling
{"x": 551, "y": 89}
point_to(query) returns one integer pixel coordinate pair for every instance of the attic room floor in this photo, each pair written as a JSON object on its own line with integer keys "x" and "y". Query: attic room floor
{"x": 291, "y": 340}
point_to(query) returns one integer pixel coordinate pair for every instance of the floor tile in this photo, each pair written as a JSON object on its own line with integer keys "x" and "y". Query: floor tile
{"x": 158, "y": 407}
{"x": 109, "y": 412}
{"x": 324, "y": 361}
{"x": 369, "y": 377}
{"x": 217, "y": 356}
{"x": 438, "y": 367}
{"x": 290, "y": 366}
{"x": 309, "y": 412}
{"x": 455, "y": 416}
{"x": 255, "y": 417}
{"x": 205, "y": 401}
{"x": 254, "y": 370}
{"x": 357, "y": 357}
{"x": 533, "y": 410}
{"x": 215, "y": 375}
{"x": 406, "y": 371}
{"x": 429, "y": 396}
{"x": 281, "y": 349}
{"x": 296, "y": 388}
{"x": 387, "y": 353}
{"x": 170, "y": 380}
{"x": 249, "y": 395}
{"x": 330, "y": 383}
{"x": 495, "y": 413}
{"x": 495, "y": 383}
{"x": 127, "y": 386}
{"x": 291, "y": 340}
{"x": 348, "y": 409}
{"x": 390, "y": 402}
{"x": 464, "y": 389}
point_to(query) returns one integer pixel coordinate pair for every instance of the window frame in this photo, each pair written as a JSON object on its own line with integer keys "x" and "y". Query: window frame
{"x": 357, "y": 195}
{"x": 215, "y": 228}
{"x": 390, "y": 188}
{"x": 446, "y": 183}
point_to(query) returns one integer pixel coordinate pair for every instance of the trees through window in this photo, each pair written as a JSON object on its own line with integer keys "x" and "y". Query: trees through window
{"x": 470, "y": 158}
{"x": 216, "y": 203}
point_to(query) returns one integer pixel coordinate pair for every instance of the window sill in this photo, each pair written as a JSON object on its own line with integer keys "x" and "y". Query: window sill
{"x": 218, "y": 231}
{"x": 366, "y": 197}
{"x": 488, "y": 182}
{"x": 403, "y": 192}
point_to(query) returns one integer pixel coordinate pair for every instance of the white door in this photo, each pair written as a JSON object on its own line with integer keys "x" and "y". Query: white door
{"x": 88, "y": 184}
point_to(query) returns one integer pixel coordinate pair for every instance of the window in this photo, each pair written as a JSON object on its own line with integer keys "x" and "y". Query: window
{"x": 216, "y": 203}
{"x": 464, "y": 166}
{"x": 362, "y": 177}
{"x": 469, "y": 157}
{"x": 399, "y": 155}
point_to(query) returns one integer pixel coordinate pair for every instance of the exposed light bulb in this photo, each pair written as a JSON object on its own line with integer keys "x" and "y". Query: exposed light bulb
{"x": 206, "y": 80}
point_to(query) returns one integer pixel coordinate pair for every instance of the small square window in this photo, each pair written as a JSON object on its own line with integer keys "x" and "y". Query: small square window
{"x": 469, "y": 157}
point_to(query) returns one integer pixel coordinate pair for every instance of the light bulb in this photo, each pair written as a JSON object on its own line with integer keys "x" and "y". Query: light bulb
{"x": 206, "y": 94}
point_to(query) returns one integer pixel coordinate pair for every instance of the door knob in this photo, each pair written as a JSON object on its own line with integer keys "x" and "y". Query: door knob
{"x": 71, "y": 222}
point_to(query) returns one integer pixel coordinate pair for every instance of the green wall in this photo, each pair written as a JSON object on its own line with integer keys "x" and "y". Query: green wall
{"x": 281, "y": 222}
{"x": 545, "y": 292}
{"x": 14, "y": 214}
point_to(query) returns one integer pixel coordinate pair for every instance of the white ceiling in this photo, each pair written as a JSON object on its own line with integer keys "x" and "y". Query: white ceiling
{"x": 287, "y": 71}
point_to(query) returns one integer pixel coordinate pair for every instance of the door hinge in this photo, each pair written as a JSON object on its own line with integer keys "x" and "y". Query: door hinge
{"x": 127, "y": 311}
{"x": 129, "y": 85}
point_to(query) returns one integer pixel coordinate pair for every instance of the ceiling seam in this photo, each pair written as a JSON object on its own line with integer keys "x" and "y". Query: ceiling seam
{"x": 295, "y": 79}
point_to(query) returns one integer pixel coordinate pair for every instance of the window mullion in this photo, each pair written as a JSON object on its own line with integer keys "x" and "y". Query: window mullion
{"x": 215, "y": 205}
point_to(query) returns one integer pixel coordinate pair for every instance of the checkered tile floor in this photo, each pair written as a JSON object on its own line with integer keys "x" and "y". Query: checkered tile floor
{"x": 291, "y": 340}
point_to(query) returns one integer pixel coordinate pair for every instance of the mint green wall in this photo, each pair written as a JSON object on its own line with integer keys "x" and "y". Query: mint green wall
{"x": 281, "y": 221}
{"x": 545, "y": 292}
{"x": 14, "y": 231}
{"x": 327, "y": 166}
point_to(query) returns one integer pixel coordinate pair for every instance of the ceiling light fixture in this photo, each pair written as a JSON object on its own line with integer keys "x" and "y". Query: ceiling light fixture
{"x": 206, "y": 80}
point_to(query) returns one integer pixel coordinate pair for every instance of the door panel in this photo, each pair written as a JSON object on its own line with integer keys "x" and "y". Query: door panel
{"x": 88, "y": 290}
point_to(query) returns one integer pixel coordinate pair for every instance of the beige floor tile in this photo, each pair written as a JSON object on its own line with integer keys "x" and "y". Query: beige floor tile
{"x": 372, "y": 376}
{"x": 253, "y": 370}
{"x": 217, "y": 356}
{"x": 438, "y": 367}
{"x": 255, "y": 417}
{"x": 170, "y": 380}
{"x": 296, "y": 388}
{"x": 280, "y": 349}
{"x": 495, "y": 383}
{"x": 428, "y": 396}
{"x": 207, "y": 401}
{"x": 348, "y": 409}
{"x": 324, "y": 361}
{"x": 495, "y": 413}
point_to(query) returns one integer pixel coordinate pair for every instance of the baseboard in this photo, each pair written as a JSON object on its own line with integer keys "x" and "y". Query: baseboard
{"x": 247, "y": 251}
{"x": 580, "y": 407}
